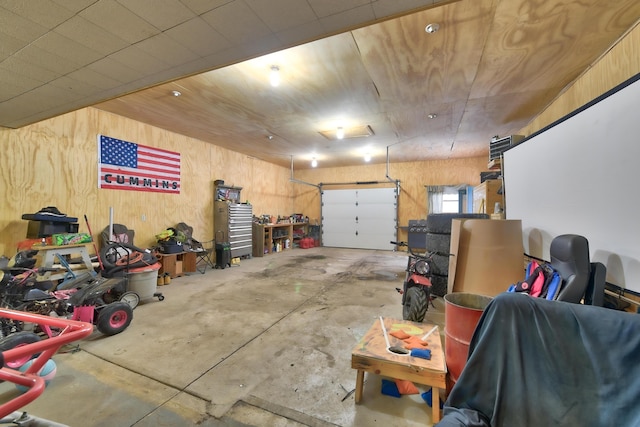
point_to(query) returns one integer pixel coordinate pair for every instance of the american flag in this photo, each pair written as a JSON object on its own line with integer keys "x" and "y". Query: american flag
{"x": 125, "y": 165}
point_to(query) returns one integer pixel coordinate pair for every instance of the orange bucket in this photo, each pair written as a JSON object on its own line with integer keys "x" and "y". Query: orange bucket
{"x": 462, "y": 312}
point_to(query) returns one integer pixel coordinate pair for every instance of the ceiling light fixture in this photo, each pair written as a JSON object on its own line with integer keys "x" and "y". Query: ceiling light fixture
{"x": 432, "y": 116}
{"x": 347, "y": 133}
{"x": 274, "y": 76}
{"x": 432, "y": 28}
{"x": 367, "y": 157}
{"x": 314, "y": 163}
{"x": 175, "y": 93}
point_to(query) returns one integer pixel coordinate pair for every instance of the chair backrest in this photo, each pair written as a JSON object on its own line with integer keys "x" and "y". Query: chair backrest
{"x": 121, "y": 234}
{"x": 570, "y": 258}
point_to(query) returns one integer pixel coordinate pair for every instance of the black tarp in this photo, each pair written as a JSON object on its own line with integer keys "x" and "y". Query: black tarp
{"x": 540, "y": 363}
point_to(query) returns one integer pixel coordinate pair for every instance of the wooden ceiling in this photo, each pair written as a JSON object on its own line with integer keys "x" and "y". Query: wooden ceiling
{"x": 489, "y": 69}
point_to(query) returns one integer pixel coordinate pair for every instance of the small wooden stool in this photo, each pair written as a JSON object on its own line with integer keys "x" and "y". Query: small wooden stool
{"x": 371, "y": 355}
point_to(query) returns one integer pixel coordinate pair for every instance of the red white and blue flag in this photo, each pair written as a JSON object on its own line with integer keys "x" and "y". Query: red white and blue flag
{"x": 125, "y": 165}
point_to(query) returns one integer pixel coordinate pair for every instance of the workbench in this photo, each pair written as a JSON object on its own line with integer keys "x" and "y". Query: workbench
{"x": 49, "y": 254}
{"x": 371, "y": 355}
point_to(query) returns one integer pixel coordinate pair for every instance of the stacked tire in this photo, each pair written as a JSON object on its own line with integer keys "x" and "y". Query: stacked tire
{"x": 438, "y": 240}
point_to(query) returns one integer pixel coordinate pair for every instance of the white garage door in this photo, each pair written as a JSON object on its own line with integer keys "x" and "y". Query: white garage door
{"x": 362, "y": 219}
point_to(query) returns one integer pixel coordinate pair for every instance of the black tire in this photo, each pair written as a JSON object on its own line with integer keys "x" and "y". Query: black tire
{"x": 439, "y": 285}
{"x": 416, "y": 304}
{"x": 440, "y": 265}
{"x": 114, "y": 318}
{"x": 18, "y": 339}
{"x": 441, "y": 223}
{"x": 440, "y": 243}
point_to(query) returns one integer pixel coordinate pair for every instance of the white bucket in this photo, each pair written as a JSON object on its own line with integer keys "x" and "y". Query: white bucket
{"x": 144, "y": 281}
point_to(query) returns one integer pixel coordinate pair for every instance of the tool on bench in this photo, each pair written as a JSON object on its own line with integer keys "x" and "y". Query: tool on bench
{"x": 429, "y": 333}
{"x": 392, "y": 349}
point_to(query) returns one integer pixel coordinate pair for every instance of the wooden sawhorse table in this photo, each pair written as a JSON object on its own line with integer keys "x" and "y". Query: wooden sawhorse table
{"x": 49, "y": 254}
{"x": 371, "y": 355}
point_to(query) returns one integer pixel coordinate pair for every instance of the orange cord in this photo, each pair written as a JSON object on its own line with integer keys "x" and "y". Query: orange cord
{"x": 130, "y": 259}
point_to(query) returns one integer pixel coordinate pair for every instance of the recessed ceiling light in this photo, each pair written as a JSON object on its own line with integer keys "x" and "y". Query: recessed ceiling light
{"x": 432, "y": 28}
{"x": 274, "y": 76}
{"x": 175, "y": 93}
{"x": 432, "y": 116}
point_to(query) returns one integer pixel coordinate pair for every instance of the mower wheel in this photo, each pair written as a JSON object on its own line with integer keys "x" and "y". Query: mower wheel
{"x": 114, "y": 318}
{"x": 131, "y": 298}
{"x": 18, "y": 339}
{"x": 416, "y": 303}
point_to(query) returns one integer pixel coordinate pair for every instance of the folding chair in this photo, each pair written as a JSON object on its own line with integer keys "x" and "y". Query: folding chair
{"x": 205, "y": 257}
{"x": 203, "y": 250}
{"x": 121, "y": 234}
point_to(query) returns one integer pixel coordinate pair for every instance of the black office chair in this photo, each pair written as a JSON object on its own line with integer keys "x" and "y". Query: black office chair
{"x": 581, "y": 278}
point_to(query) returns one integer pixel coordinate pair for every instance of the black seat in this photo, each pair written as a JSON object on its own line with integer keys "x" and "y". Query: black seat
{"x": 581, "y": 278}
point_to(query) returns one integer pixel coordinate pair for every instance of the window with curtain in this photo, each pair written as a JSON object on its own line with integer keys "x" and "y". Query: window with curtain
{"x": 446, "y": 198}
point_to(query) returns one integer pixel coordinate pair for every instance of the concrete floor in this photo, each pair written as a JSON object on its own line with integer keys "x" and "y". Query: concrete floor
{"x": 264, "y": 343}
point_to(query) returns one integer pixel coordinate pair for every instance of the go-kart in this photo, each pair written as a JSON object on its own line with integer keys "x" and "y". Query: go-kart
{"x": 15, "y": 352}
{"x": 85, "y": 297}
{"x": 84, "y": 302}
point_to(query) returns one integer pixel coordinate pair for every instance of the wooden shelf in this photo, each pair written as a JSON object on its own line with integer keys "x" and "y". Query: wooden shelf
{"x": 495, "y": 164}
{"x": 268, "y": 236}
{"x": 300, "y": 230}
{"x": 486, "y": 195}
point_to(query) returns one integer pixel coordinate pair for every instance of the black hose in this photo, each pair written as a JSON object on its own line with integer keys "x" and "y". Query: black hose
{"x": 110, "y": 255}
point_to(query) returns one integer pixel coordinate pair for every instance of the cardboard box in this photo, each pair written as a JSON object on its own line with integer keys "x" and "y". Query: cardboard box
{"x": 70, "y": 239}
{"x": 488, "y": 256}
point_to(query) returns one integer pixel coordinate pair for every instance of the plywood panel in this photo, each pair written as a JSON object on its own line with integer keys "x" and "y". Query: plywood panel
{"x": 616, "y": 66}
{"x": 54, "y": 163}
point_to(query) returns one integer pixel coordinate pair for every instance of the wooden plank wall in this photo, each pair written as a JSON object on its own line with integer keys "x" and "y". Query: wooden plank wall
{"x": 54, "y": 163}
{"x": 614, "y": 67}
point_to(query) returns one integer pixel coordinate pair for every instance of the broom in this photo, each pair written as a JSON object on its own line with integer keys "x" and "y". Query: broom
{"x": 94, "y": 243}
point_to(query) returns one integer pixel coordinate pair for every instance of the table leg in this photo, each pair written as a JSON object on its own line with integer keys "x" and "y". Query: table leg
{"x": 359, "y": 385}
{"x": 435, "y": 405}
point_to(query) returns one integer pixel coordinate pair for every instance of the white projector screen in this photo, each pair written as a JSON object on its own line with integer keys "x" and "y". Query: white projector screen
{"x": 581, "y": 175}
